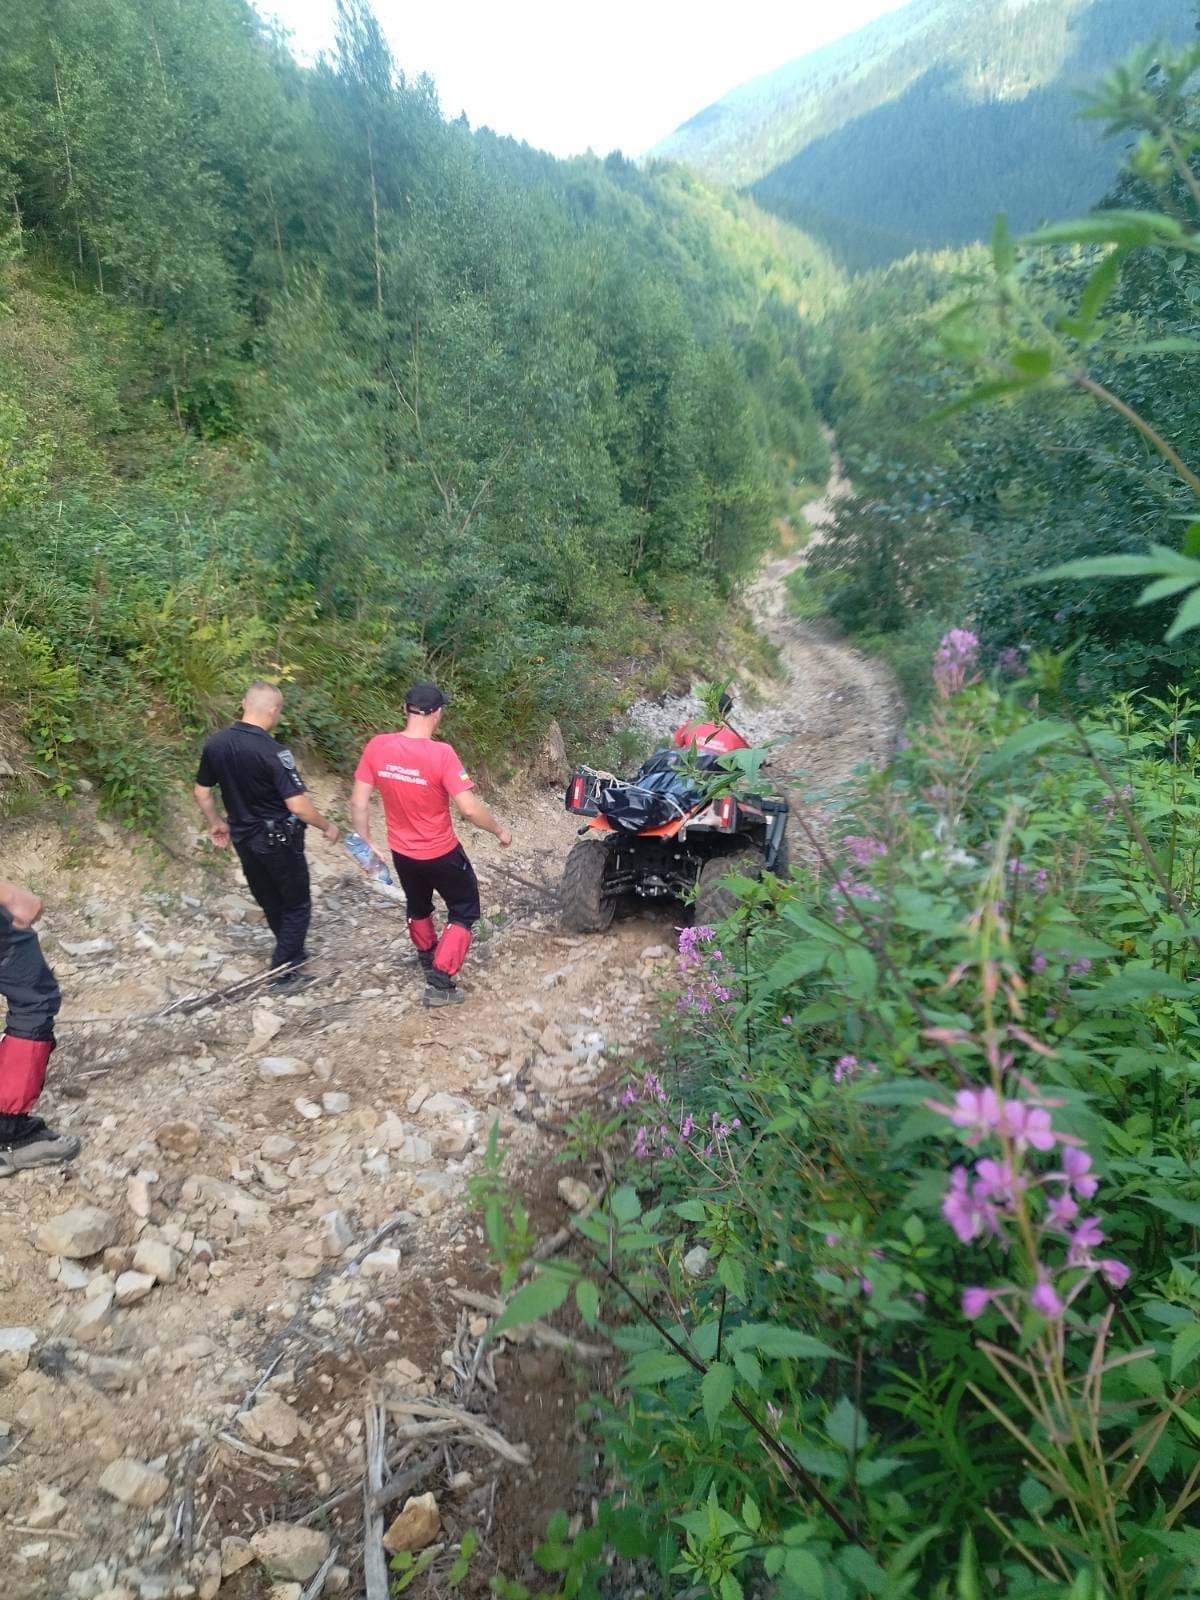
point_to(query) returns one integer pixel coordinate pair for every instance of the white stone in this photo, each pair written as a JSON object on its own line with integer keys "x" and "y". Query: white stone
{"x": 277, "y": 1147}
{"x": 575, "y": 1194}
{"x": 380, "y": 1263}
{"x": 272, "y": 1421}
{"x": 695, "y": 1263}
{"x": 308, "y": 1109}
{"x": 413, "y": 1151}
{"x": 139, "y": 1192}
{"x": 336, "y": 1234}
{"x": 266, "y": 1024}
{"x": 335, "y": 1102}
{"x": 134, "y": 1286}
{"x": 16, "y": 1349}
{"x": 92, "y": 1320}
{"x": 78, "y": 1233}
{"x": 281, "y": 1067}
{"x": 156, "y": 1260}
{"x": 444, "y": 1105}
{"x": 133, "y": 1483}
{"x": 49, "y": 1509}
{"x": 288, "y": 1551}
{"x": 235, "y": 1554}
{"x": 216, "y": 1192}
{"x": 72, "y": 1276}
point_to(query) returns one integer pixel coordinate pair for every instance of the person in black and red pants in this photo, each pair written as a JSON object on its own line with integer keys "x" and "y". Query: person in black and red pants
{"x": 33, "y": 996}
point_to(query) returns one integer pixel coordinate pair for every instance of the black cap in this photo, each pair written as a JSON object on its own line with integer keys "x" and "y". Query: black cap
{"x": 425, "y": 699}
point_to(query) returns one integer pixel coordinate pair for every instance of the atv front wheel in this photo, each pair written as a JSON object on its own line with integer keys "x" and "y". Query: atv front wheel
{"x": 715, "y": 899}
{"x": 585, "y": 906}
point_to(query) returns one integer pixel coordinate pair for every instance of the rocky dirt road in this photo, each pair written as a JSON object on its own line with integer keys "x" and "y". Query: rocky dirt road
{"x": 268, "y": 1231}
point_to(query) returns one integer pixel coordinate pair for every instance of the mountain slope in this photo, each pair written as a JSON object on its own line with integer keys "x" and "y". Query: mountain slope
{"x": 913, "y": 131}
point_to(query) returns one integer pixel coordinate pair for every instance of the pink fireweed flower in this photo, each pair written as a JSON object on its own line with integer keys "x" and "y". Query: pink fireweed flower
{"x": 1044, "y": 1298}
{"x": 976, "y": 1111}
{"x": 862, "y": 850}
{"x": 955, "y": 662}
{"x": 995, "y": 1181}
{"x": 1028, "y": 1125}
{"x": 867, "y": 1287}
{"x": 1038, "y": 962}
{"x": 641, "y": 1144}
{"x": 967, "y": 1211}
{"x": 1077, "y": 1172}
{"x": 975, "y": 1302}
{"x": 844, "y": 1068}
{"x": 1061, "y": 1211}
{"x": 1115, "y": 1273}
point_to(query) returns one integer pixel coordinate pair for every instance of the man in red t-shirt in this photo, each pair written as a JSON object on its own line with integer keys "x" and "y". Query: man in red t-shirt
{"x": 417, "y": 777}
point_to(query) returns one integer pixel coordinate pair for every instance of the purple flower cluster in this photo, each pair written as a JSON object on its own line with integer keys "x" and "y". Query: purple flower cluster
{"x": 672, "y": 1131}
{"x": 847, "y": 1067}
{"x": 1011, "y": 661}
{"x": 994, "y": 1197}
{"x": 862, "y": 849}
{"x": 955, "y": 662}
{"x": 703, "y": 968}
{"x": 1039, "y": 961}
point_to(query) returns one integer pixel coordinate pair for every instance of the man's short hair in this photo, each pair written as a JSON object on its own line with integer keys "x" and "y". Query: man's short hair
{"x": 261, "y": 690}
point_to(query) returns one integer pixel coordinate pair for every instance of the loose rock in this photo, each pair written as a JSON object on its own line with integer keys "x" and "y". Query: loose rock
{"x": 156, "y": 1260}
{"x": 134, "y": 1286}
{"x": 133, "y": 1483}
{"x": 415, "y": 1527}
{"x": 80, "y": 1232}
{"x": 286, "y": 1550}
{"x": 16, "y": 1347}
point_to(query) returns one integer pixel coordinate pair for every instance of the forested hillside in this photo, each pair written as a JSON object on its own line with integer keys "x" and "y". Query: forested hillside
{"x": 907, "y": 134}
{"x": 958, "y": 505}
{"x": 298, "y": 378}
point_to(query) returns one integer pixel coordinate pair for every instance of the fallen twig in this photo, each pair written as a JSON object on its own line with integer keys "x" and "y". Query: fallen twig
{"x": 317, "y": 1584}
{"x": 392, "y": 1490}
{"x": 539, "y": 1332}
{"x": 462, "y": 1421}
{"x": 375, "y": 1574}
{"x": 268, "y": 1456}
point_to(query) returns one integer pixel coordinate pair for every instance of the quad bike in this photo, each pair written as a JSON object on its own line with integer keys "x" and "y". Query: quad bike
{"x": 661, "y": 834}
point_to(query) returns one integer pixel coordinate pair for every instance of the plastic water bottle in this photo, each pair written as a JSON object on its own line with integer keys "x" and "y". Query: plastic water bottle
{"x": 366, "y": 858}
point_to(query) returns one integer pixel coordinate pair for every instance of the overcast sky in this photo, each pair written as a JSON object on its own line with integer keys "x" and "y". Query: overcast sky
{"x": 570, "y": 77}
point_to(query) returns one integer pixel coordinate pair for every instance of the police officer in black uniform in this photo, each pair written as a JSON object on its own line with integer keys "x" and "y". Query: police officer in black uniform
{"x": 268, "y": 808}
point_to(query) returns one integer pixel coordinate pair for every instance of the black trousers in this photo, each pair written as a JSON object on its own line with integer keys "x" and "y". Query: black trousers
{"x": 451, "y": 876}
{"x": 27, "y": 983}
{"x": 277, "y": 877}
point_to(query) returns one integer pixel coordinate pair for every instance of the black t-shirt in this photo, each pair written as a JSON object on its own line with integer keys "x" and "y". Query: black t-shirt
{"x": 256, "y": 774}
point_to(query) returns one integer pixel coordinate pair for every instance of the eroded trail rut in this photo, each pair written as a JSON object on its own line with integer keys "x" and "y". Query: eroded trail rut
{"x": 238, "y": 1302}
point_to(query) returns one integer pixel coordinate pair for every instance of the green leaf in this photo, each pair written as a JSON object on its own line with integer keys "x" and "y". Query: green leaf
{"x": 780, "y": 1343}
{"x": 716, "y": 1391}
{"x": 625, "y": 1205}
{"x": 1099, "y": 287}
{"x": 1033, "y": 736}
{"x": 751, "y": 1515}
{"x": 1134, "y": 983}
{"x": 730, "y": 1588}
{"x": 862, "y": 1568}
{"x": 748, "y": 1368}
{"x": 537, "y": 1299}
{"x": 803, "y": 1568}
{"x": 732, "y": 1274}
{"x": 1033, "y": 363}
{"x": 1186, "y": 618}
{"x": 587, "y": 1298}
{"x": 656, "y": 1366}
{"x": 1184, "y": 1349}
{"x": 691, "y": 1210}
{"x": 847, "y": 1427}
{"x": 1161, "y": 347}
{"x": 1182, "y": 1210}
{"x": 1035, "y": 1496}
{"x": 1127, "y": 228}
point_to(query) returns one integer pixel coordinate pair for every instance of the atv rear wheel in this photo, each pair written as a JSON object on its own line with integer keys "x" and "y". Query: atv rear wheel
{"x": 715, "y": 899}
{"x": 585, "y": 906}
